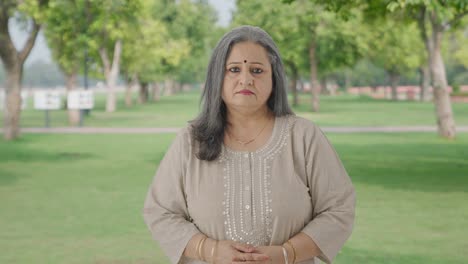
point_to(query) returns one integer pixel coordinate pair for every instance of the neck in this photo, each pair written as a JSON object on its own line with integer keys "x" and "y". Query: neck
{"x": 242, "y": 119}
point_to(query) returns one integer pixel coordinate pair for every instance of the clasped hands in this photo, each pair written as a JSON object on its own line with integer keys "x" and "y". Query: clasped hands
{"x": 228, "y": 251}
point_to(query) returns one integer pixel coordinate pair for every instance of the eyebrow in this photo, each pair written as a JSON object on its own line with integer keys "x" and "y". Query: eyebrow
{"x": 235, "y": 62}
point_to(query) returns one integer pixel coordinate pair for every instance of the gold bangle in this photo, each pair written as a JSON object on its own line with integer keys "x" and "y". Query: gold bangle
{"x": 200, "y": 248}
{"x": 213, "y": 252}
{"x": 197, "y": 248}
{"x": 293, "y": 249}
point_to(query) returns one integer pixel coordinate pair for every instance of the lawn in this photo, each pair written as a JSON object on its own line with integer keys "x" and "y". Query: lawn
{"x": 77, "y": 198}
{"x": 176, "y": 110}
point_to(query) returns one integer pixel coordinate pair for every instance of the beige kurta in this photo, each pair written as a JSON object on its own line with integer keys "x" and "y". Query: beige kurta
{"x": 295, "y": 183}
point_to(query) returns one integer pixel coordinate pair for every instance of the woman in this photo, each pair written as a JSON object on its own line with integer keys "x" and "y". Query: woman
{"x": 247, "y": 181}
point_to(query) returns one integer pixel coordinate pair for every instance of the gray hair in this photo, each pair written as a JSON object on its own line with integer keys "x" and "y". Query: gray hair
{"x": 208, "y": 128}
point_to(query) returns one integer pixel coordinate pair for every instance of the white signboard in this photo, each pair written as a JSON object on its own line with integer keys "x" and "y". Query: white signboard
{"x": 24, "y": 100}
{"x": 47, "y": 100}
{"x": 80, "y": 99}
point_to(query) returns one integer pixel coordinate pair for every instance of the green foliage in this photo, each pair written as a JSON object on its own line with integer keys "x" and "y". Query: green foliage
{"x": 365, "y": 73}
{"x": 194, "y": 24}
{"x": 460, "y": 41}
{"x": 395, "y": 46}
{"x": 66, "y": 33}
{"x": 280, "y": 21}
{"x": 34, "y": 9}
{"x": 293, "y": 26}
{"x": 149, "y": 46}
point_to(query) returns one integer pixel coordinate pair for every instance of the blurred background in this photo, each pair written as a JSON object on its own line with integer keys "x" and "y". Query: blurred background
{"x": 92, "y": 93}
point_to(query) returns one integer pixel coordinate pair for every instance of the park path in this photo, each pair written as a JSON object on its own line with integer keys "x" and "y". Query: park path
{"x": 155, "y": 130}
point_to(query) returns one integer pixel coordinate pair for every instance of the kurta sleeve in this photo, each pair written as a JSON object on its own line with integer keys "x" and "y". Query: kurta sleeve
{"x": 332, "y": 195}
{"x": 165, "y": 208}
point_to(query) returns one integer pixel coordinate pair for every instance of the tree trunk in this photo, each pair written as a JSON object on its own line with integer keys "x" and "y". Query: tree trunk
{"x": 12, "y": 110}
{"x": 347, "y": 80}
{"x": 443, "y": 105}
{"x": 293, "y": 83}
{"x": 13, "y": 61}
{"x": 73, "y": 114}
{"x": 168, "y": 87}
{"x": 128, "y": 95}
{"x": 315, "y": 86}
{"x": 111, "y": 72}
{"x": 129, "y": 91}
{"x": 394, "y": 80}
{"x": 177, "y": 87}
{"x": 323, "y": 86}
{"x": 424, "y": 82}
{"x": 156, "y": 92}
{"x": 144, "y": 93}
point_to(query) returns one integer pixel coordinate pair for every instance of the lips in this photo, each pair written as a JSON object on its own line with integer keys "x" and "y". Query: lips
{"x": 245, "y": 92}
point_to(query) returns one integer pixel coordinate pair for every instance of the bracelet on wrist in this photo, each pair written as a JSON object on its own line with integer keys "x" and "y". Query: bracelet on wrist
{"x": 213, "y": 252}
{"x": 200, "y": 248}
{"x": 285, "y": 255}
{"x": 293, "y": 250}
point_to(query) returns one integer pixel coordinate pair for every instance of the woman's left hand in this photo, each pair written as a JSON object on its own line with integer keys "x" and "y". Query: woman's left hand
{"x": 274, "y": 252}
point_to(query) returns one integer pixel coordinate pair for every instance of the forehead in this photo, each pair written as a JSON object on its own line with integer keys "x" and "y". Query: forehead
{"x": 248, "y": 51}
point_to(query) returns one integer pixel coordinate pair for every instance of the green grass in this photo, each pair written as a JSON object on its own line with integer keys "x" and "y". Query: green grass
{"x": 77, "y": 198}
{"x": 176, "y": 110}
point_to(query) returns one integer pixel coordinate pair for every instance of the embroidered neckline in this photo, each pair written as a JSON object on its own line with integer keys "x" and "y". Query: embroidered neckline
{"x": 268, "y": 145}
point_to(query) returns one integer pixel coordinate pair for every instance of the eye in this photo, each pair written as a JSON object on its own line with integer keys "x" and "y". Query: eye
{"x": 256, "y": 70}
{"x": 234, "y": 69}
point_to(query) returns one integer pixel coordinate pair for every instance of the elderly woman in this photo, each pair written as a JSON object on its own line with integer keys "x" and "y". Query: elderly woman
{"x": 248, "y": 181}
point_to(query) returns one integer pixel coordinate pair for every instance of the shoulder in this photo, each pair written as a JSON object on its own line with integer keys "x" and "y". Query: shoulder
{"x": 182, "y": 139}
{"x": 301, "y": 126}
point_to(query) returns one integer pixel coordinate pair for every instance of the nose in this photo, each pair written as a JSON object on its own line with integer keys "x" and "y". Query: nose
{"x": 246, "y": 78}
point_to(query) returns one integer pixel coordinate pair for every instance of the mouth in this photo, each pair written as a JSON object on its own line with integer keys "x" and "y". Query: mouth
{"x": 245, "y": 92}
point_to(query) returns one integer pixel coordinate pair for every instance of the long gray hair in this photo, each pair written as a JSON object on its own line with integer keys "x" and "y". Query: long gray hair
{"x": 208, "y": 128}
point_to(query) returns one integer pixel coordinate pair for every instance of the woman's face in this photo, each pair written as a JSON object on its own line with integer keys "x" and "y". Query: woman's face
{"x": 248, "y": 79}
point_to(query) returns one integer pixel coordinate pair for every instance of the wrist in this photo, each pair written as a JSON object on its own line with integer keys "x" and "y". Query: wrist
{"x": 276, "y": 254}
{"x": 208, "y": 250}
{"x": 291, "y": 252}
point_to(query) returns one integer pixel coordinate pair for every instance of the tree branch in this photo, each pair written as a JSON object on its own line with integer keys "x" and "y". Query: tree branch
{"x": 421, "y": 18}
{"x": 8, "y": 51}
{"x": 117, "y": 52}
{"x": 455, "y": 19}
{"x": 23, "y": 54}
{"x": 105, "y": 61}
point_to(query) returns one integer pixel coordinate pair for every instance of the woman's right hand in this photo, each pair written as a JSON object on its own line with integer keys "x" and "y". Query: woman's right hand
{"x": 228, "y": 251}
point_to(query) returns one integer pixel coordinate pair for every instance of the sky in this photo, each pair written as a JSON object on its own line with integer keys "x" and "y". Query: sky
{"x": 42, "y": 52}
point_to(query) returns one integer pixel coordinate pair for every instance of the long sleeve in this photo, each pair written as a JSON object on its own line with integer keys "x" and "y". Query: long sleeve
{"x": 332, "y": 195}
{"x": 165, "y": 208}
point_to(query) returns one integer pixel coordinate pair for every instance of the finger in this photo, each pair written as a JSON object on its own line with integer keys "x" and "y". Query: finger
{"x": 260, "y": 257}
{"x": 248, "y": 262}
{"x": 251, "y": 257}
{"x": 243, "y": 247}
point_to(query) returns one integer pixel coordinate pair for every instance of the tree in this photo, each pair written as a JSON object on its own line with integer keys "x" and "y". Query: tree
{"x": 195, "y": 21}
{"x": 435, "y": 17}
{"x": 280, "y": 21}
{"x": 304, "y": 30}
{"x": 110, "y": 21}
{"x": 149, "y": 50}
{"x": 395, "y": 47}
{"x": 65, "y": 31}
{"x": 30, "y": 12}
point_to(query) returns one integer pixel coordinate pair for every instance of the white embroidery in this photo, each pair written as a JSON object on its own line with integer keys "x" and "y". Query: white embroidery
{"x": 247, "y": 188}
